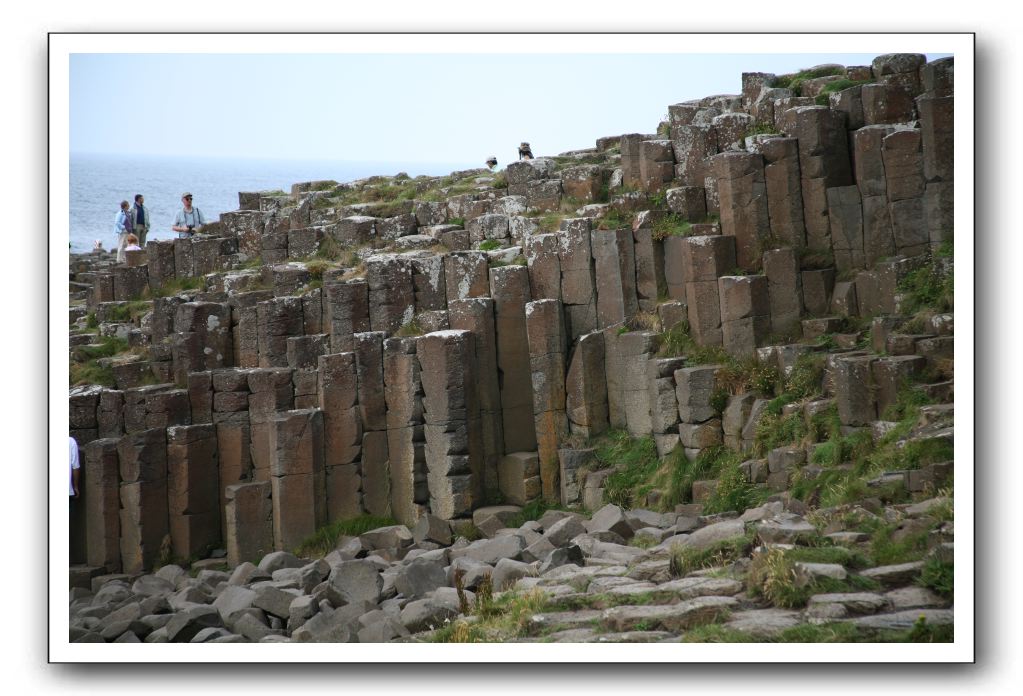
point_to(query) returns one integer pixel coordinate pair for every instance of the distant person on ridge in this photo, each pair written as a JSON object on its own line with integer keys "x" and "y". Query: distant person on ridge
{"x": 491, "y": 163}
{"x": 524, "y": 152}
{"x": 122, "y": 228}
{"x": 140, "y": 218}
{"x": 189, "y": 220}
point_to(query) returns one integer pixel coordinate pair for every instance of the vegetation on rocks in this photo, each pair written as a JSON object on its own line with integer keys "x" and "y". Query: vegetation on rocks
{"x": 325, "y": 539}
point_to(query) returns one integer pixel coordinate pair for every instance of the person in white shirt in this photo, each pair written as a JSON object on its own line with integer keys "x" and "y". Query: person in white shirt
{"x": 189, "y": 220}
{"x": 76, "y": 467}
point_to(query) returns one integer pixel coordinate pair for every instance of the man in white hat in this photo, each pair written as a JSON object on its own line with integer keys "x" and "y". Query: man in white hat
{"x": 189, "y": 220}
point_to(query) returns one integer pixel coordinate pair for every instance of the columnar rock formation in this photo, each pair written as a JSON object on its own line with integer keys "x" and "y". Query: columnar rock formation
{"x": 425, "y": 371}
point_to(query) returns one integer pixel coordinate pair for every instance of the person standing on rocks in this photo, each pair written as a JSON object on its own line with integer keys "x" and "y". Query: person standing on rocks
{"x": 76, "y": 467}
{"x": 140, "y": 218}
{"x": 525, "y": 153}
{"x": 122, "y": 228}
{"x": 189, "y": 220}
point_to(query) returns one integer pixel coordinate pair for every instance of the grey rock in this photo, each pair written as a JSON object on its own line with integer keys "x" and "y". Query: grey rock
{"x": 358, "y": 581}
{"x": 537, "y": 551}
{"x": 432, "y": 528}
{"x": 902, "y": 620}
{"x": 273, "y": 600}
{"x": 610, "y": 518}
{"x": 715, "y": 533}
{"x": 853, "y": 602}
{"x": 208, "y": 634}
{"x": 279, "y": 559}
{"x": 507, "y": 571}
{"x": 419, "y": 578}
{"x": 393, "y": 537}
{"x": 895, "y": 575}
{"x": 763, "y": 623}
{"x": 232, "y": 600}
{"x": 563, "y": 531}
{"x": 786, "y": 529}
{"x": 152, "y": 585}
{"x": 186, "y": 624}
{"x": 569, "y": 555}
{"x": 490, "y": 551}
{"x": 671, "y": 617}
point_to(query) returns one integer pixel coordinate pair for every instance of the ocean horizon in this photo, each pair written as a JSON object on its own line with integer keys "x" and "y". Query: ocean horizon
{"x": 99, "y": 182}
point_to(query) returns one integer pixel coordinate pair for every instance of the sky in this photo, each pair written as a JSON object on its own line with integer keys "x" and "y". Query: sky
{"x": 390, "y": 107}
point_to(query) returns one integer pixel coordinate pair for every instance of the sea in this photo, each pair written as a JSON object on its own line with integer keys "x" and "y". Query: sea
{"x": 99, "y": 183}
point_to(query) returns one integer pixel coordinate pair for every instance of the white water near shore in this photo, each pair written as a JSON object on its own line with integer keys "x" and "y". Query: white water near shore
{"x": 100, "y": 182}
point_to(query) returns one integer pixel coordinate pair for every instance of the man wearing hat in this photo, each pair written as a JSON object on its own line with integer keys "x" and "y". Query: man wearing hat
{"x": 189, "y": 220}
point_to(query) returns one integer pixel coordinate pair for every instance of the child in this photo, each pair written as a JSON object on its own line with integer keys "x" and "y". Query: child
{"x": 133, "y": 243}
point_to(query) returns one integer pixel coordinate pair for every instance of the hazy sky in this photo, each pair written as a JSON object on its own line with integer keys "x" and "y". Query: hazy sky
{"x": 390, "y": 107}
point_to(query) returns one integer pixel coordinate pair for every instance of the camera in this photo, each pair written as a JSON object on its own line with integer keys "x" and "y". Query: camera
{"x": 191, "y": 229}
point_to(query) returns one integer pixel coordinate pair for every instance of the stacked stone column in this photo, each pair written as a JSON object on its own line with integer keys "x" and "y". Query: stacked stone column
{"x": 406, "y": 445}
{"x": 700, "y": 422}
{"x": 376, "y": 476}
{"x": 663, "y": 402}
{"x": 454, "y": 444}
{"x": 742, "y": 192}
{"x": 704, "y": 260}
{"x": 578, "y": 284}
{"x": 193, "y": 489}
{"x": 477, "y": 315}
{"x": 509, "y": 287}
{"x": 345, "y": 313}
{"x": 297, "y": 476}
{"x": 342, "y": 435}
{"x": 547, "y": 345}
{"x": 142, "y": 458}
{"x": 102, "y": 500}
{"x": 745, "y": 313}
{"x": 614, "y": 262}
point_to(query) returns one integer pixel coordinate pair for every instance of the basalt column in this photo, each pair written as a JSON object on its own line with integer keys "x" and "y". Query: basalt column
{"x": 454, "y": 443}
{"x": 376, "y": 476}
{"x": 509, "y": 286}
{"x": 406, "y": 444}
{"x": 342, "y": 435}
{"x": 297, "y": 476}
{"x": 477, "y": 315}
{"x": 193, "y": 489}
{"x": 142, "y": 459}
{"x": 102, "y": 504}
{"x": 547, "y": 344}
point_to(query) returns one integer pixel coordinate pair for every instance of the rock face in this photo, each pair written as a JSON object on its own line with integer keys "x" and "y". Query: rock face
{"x": 448, "y": 352}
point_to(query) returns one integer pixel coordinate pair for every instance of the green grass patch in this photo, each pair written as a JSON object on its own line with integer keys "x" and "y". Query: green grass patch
{"x": 794, "y": 81}
{"x": 931, "y": 286}
{"x": 178, "y": 285}
{"x": 324, "y": 540}
{"x": 489, "y": 245}
{"x": 774, "y": 576}
{"x": 686, "y": 559}
{"x": 761, "y": 129}
{"x": 734, "y": 491}
{"x": 635, "y": 462}
{"x": 615, "y": 219}
{"x": 533, "y": 510}
{"x": 671, "y": 225}
{"x": 824, "y": 98}
{"x": 939, "y": 576}
{"x": 410, "y": 328}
